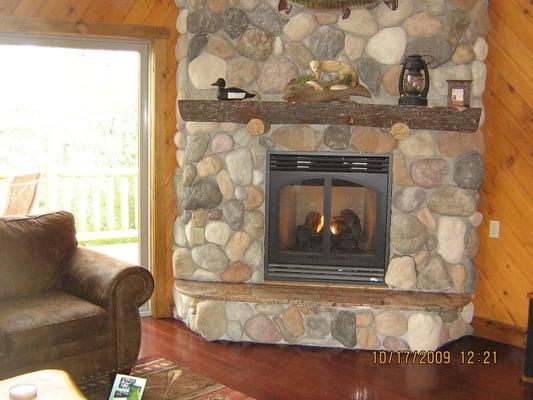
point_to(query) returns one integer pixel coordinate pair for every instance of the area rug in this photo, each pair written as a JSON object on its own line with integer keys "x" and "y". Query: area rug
{"x": 167, "y": 381}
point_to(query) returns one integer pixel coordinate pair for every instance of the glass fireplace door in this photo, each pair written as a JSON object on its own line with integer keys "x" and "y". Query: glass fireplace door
{"x": 325, "y": 221}
{"x": 301, "y": 217}
{"x": 353, "y": 220}
{"x": 327, "y": 217}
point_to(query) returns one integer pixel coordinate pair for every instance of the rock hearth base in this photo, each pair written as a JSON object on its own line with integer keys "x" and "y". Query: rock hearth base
{"x": 312, "y": 324}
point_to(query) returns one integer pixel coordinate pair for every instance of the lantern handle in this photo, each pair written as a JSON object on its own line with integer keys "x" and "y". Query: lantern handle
{"x": 426, "y": 78}
{"x": 400, "y": 83}
{"x": 430, "y": 56}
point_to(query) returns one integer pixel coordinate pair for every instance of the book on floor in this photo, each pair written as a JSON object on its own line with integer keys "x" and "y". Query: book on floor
{"x": 126, "y": 387}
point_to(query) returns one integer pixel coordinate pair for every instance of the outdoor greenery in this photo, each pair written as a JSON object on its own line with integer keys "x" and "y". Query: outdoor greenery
{"x": 102, "y": 242}
{"x": 71, "y": 112}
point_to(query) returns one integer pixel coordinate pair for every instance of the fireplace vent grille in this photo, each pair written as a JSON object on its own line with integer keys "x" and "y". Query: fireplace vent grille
{"x": 333, "y": 163}
{"x": 326, "y": 273}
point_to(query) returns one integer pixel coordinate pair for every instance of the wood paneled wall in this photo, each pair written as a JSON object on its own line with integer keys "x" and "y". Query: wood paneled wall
{"x": 506, "y": 264}
{"x": 158, "y": 13}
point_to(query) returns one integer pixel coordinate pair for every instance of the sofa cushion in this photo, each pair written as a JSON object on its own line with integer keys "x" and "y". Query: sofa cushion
{"x": 34, "y": 249}
{"x": 50, "y": 319}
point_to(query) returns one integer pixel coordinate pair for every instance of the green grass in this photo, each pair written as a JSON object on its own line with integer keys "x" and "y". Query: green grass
{"x": 102, "y": 242}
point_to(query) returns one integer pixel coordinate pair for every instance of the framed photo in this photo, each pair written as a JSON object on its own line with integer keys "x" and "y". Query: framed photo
{"x": 126, "y": 387}
{"x": 459, "y": 93}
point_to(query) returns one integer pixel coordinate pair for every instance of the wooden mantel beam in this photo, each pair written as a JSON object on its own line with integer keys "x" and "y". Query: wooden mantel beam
{"x": 355, "y": 114}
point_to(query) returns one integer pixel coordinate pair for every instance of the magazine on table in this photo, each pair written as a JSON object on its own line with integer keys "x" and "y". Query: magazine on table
{"x": 126, "y": 387}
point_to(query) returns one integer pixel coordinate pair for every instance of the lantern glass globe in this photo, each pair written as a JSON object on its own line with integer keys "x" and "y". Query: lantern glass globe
{"x": 414, "y": 83}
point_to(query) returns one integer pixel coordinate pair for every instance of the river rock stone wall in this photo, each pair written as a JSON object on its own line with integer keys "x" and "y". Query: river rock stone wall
{"x": 220, "y": 186}
{"x": 314, "y": 325}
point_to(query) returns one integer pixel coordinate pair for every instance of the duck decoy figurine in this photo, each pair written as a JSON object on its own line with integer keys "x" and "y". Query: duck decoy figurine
{"x": 230, "y": 93}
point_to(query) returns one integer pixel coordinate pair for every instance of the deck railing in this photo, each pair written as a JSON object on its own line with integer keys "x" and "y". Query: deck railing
{"x": 104, "y": 202}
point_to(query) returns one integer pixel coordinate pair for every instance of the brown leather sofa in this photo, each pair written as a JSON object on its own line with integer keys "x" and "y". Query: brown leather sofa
{"x": 63, "y": 306}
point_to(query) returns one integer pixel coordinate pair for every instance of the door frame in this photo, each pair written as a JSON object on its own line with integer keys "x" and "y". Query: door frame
{"x": 161, "y": 225}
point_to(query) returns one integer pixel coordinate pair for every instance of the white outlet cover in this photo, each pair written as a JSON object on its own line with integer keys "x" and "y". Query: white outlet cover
{"x": 494, "y": 229}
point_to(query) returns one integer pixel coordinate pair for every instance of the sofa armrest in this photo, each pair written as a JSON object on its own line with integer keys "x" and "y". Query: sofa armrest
{"x": 118, "y": 287}
{"x": 3, "y": 342}
{"x": 101, "y": 279}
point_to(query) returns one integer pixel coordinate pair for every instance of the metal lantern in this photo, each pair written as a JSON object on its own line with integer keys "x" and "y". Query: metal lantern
{"x": 414, "y": 81}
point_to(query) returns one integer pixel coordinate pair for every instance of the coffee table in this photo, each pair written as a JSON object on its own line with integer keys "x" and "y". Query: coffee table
{"x": 52, "y": 384}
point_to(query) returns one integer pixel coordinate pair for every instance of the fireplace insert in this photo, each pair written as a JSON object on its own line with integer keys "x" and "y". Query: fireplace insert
{"x": 327, "y": 217}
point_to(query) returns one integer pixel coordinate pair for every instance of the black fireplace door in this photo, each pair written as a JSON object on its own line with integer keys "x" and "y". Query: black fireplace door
{"x": 327, "y": 225}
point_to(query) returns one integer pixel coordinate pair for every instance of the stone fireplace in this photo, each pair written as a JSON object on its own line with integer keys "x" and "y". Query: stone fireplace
{"x": 397, "y": 215}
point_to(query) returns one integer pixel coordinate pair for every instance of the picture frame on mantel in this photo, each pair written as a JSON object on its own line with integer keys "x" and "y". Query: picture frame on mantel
{"x": 459, "y": 93}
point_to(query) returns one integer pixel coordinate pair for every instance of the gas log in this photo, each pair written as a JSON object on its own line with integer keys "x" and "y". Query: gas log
{"x": 346, "y": 232}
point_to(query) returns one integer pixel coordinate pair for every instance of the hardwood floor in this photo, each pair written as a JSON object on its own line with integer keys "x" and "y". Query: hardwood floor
{"x": 269, "y": 372}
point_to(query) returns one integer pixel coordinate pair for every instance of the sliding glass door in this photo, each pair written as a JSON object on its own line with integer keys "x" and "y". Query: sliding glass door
{"x": 75, "y": 112}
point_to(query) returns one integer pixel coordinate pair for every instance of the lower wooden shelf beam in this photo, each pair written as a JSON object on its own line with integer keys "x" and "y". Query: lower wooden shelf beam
{"x": 374, "y": 115}
{"x": 323, "y": 295}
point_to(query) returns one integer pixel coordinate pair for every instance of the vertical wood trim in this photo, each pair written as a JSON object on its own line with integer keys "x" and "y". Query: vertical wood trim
{"x": 160, "y": 304}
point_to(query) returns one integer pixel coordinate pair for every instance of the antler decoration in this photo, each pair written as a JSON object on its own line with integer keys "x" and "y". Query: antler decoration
{"x": 345, "y": 5}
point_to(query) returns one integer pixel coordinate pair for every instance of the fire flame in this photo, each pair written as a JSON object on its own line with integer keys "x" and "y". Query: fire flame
{"x": 332, "y": 227}
{"x": 320, "y": 225}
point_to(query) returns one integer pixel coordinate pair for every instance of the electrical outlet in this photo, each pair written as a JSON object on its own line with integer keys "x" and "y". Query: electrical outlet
{"x": 494, "y": 229}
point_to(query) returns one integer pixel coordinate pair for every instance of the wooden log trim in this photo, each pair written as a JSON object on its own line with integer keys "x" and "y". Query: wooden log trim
{"x": 9, "y": 24}
{"x": 323, "y": 296}
{"x": 375, "y": 115}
